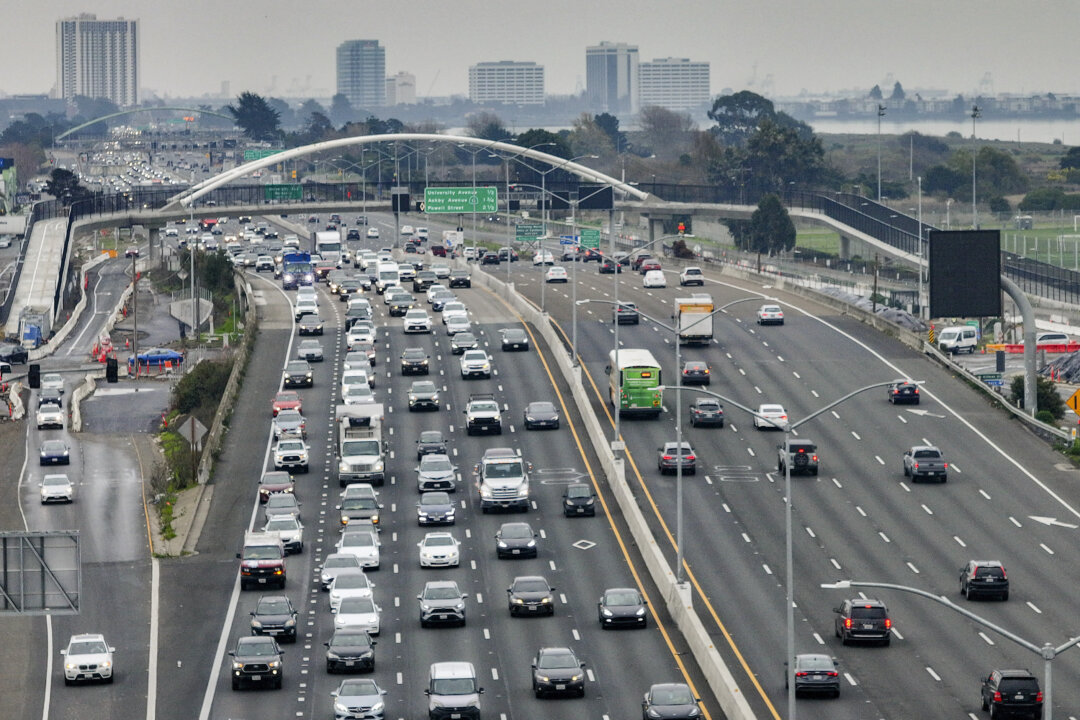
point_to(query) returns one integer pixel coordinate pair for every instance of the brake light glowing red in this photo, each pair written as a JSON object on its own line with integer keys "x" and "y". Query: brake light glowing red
{"x": 997, "y": 696}
{"x": 847, "y": 623}
{"x": 1038, "y": 696}
{"x": 945, "y": 465}
{"x": 888, "y": 624}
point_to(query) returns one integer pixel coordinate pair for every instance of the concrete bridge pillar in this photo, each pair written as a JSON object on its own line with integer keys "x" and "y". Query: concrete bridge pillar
{"x": 845, "y": 247}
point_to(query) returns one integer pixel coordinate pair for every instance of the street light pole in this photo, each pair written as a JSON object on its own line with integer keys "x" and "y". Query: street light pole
{"x": 921, "y": 315}
{"x": 880, "y": 114}
{"x": 976, "y": 111}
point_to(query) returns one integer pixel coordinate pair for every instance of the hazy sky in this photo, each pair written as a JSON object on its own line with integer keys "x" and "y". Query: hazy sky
{"x": 286, "y": 47}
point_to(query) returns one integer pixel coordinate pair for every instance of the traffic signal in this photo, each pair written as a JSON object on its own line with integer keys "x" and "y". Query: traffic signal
{"x": 110, "y": 370}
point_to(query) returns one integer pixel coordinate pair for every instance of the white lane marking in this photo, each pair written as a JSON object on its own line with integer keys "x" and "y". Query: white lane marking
{"x": 902, "y": 419}
{"x": 1047, "y": 549}
{"x": 855, "y": 435}
{"x": 884, "y": 536}
{"x": 152, "y": 668}
{"x": 860, "y": 510}
{"x": 850, "y": 679}
{"x": 742, "y": 372}
{"x": 956, "y": 468}
{"x": 727, "y": 509}
{"x": 835, "y": 564}
{"x": 751, "y": 451}
{"x": 837, "y": 483}
{"x": 959, "y": 542}
{"x": 1033, "y": 607}
{"x": 833, "y": 413}
{"x": 810, "y": 532}
{"x": 767, "y": 569}
{"x": 984, "y": 493}
{"x": 880, "y": 461}
{"x": 745, "y": 537}
{"x": 820, "y": 640}
{"x": 1014, "y": 521}
{"x": 933, "y": 674}
{"x": 814, "y": 393}
{"x": 986, "y": 637}
{"x": 928, "y": 510}
{"x": 905, "y": 486}
{"x": 797, "y": 376}
{"x": 897, "y": 634}
{"x": 913, "y": 568}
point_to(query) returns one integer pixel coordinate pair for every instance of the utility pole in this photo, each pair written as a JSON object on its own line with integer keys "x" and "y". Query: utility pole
{"x": 135, "y": 317}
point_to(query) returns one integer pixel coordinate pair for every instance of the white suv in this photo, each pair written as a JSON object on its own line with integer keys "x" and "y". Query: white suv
{"x": 475, "y": 363}
{"x": 417, "y": 321}
{"x": 88, "y": 657}
{"x": 692, "y": 276}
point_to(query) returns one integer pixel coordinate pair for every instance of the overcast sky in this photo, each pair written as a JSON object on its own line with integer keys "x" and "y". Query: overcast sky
{"x": 287, "y": 47}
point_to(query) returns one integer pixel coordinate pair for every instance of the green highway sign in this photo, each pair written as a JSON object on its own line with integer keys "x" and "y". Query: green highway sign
{"x": 590, "y": 239}
{"x": 529, "y": 230}
{"x": 460, "y": 200}
{"x": 250, "y": 155}
{"x": 989, "y": 376}
{"x": 291, "y": 191}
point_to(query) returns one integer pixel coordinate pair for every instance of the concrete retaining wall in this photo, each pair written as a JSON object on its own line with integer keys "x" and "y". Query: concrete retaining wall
{"x": 72, "y": 322}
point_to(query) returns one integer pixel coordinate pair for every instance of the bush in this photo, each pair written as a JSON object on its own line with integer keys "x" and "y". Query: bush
{"x": 1046, "y": 395}
{"x": 680, "y": 249}
{"x": 1045, "y": 416}
{"x": 200, "y": 389}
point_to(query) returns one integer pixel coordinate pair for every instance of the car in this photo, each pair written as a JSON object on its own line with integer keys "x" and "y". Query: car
{"x": 482, "y": 414}
{"x": 543, "y": 257}
{"x": 1012, "y": 693}
{"x": 541, "y": 414}
{"x": 256, "y": 660}
{"x": 668, "y": 460}
{"x": 337, "y": 562}
{"x": 513, "y": 339}
{"x": 349, "y": 288}
{"x": 274, "y": 615}
{"x": 350, "y": 650}
{"x": 770, "y": 315}
{"x": 440, "y": 299}
{"x": 436, "y": 472}
{"x": 88, "y": 657}
{"x": 359, "y": 699}
{"x": 54, "y": 452}
{"x": 430, "y": 442}
{"x": 132, "y": 251}
{"x": 357, "y": 511}
{"x": 706, "y": 411}
{"x": 289, "y": 530}
{"x": 416, "y": 321}
{"x": 264, "y": 262}
{"x": 691, "y": 275}
{"x": 357, "y": 394}
{"x": 800, "y": 455}
{"x": 460, "y": 279}
{"x": 432, "y": 290}
{"x": 514, "y": 540}
{"x": 647, "y": 265}
{"x": 349, "y": 584}
{"x": 508, "y": 254}
{"x": 489, "y": 258}
{"x": 441, "y": 601}
{"x": 695, "y": 372}
{"x": 530, "y": 595}
{"x": 274, "y": 482}
{"x": 863, "y": 619}
{"x": 457, "y": 324}
{"x": 50, "y": 415}
{"x": 609, "y": 267}
{"x": 435, "y": 508}
{"x": 439, "y": 549}
{"x": 1052, "y": 338}
{"x": 56, "y": 488}
{"x": 671, "y": 701}
{"x": 399, "y": 305}
{"x": 622, "y": 607}
{"x": 984, "y": 577}
{"x": 475, "y": 363}
{"x": 310, "y": 325}
{"x": 423, "y": 395}
{"x": 362, "y": 356}
{"x": 359, "y": 613}
{"x": 406, "y": 230}
{"x": 14, "y": 354}
{"x": 286, "y": 401}
{"x": 654, "y": 279}
{"x": 814, "y": 673}
{"x": 414, "y": 361}
{"x": 310, "y": 350}
{"x": 52, "y": 381}
{"x": 291, "y": 453}
{"x": 578, "y": 499}
{"x": 289, "y": 424}
{"x": 463, "y": 341}
{"x": 423, "y": 280}
{"x": 154, "y": 358}
{"x": 357, "y": 376}
{"x": 50, "y": 396}
{"x": 556, "y": 274}
{"x": 303, "y": 307}
{"x": 441, "y": 270}
{"x": 768, "y": 412}
{"x": 903, "y": 391}
{"x": 362, "y": 331}
{"x": 297, "y": 373}
{"x": 360, "y": 542}
{"x": 557, "y": 670}
{"x": 373, "y": 232}
{"x": 625, "y": 313}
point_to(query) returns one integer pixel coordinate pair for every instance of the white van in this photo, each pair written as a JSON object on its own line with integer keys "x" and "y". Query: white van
{"x": 387, "y": 276}
{"x": 958, "y": 339}
{"x": 453, "y": 691}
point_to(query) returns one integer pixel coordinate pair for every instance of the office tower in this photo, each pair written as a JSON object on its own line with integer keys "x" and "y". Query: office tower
{"x": 401, "y": 89}
{"x": 611, "y": 78}
{"x": 98, "y": 59}
{"x": 674, "y": 83}
{"x": 507, "y": 82}
{"x": 361, "y": 73}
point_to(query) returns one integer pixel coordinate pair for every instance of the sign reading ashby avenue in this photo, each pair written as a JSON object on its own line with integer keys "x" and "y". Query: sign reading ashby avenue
{"x": 282, "y": 192}
{"x": 460, "y": 200}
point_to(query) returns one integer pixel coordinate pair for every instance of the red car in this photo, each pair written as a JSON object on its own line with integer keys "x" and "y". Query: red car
{"x": 647, "y": 265}
{"x": 286, "y": 400}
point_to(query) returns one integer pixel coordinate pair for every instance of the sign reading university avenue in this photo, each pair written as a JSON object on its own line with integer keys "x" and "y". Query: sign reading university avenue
{"x": 460, "y": 200}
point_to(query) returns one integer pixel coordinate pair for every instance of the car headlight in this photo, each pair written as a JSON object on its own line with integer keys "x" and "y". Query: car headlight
{"x": 532, "y": 543}
{"x": 543, "y": 678}
{"x": 517, "y": 601}
{"x": 291, "y": 622}
{"x": 256, "y": 623}
{"x": 412, "y": 398}
{"x": 341, "y": 708}
{"x": 695, "y": 711}
{"x": 502, "y": 544}
{"x": 71, "y": 666}
{"x": 235, "y": 666}
{"x": 545, "y": 601}
{"x": 460, "y": 606}
{"x": 606, "y": 613}
{"x": 379, "y": 466}
{"x": 640, "y": 612}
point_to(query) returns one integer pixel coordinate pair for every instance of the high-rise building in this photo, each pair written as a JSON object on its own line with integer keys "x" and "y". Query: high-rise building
{"x": 98, "y": 59}
{"x": 674, "y": 83}
{"x": 611, "y": 78}
{"x": 401, "y": 89}
{"x": 507, "y": 82}
{"x": 361, "y": 73}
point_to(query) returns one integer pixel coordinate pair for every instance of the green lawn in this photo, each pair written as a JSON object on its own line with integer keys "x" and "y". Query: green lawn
{"x": 819, "y": 240}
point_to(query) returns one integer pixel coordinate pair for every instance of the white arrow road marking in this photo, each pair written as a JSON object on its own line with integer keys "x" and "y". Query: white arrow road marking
{"x": 925, "y": 413}
{"x": 1052, "y": 521}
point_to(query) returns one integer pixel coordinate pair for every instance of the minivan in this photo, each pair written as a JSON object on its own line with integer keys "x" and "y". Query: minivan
{"x": 453, "y": 691}
{"x": 962, "y": 338}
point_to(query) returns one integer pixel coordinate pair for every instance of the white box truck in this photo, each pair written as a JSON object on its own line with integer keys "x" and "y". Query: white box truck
{"x": 694, "y": 319}
{"x": 361, "y": 448}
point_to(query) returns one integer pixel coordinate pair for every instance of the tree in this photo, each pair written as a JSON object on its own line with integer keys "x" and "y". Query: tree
{"x": 665, "y": 129}
{"x": 1070, "y": 161}
{"x": 771, "y": 229}
{"x": 610, "y": 125}
{"x": 897, "y": 91}
{"x": 488, "y": 126}
{"x": 588, "y": 138}
{"x": 875, "y": 93}
{"x": 548, "y": 141}
{"x": 255, "y": 117}
{"x": 341, "y": 110}
{"x": 64, "y": 185}
{"x": 89, "y": 108}
{"x": 318, "y": 127}
{"x": 737, "y": 116}
{"x": 777, "y": 155}
{"x": 1046, "y": 395}
{"x": 944, "y": 179}
{"x": 308, "y": 108}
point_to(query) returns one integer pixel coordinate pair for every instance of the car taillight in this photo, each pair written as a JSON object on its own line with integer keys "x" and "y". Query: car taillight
{"x": 1003, "y": 575}
{"x": 916, "y": 391}
{"x": 915, "y": 465}
{"x": 997, "y": 696}
{"x": 847, "y": 623}
{"x": 832, "y": 673}
{"x": 801, "y": 674}
{"x": 888, "y": 624}
{"x": 689, "y": 458}
{"x": 815, "y": 458}
{"x": 1038, "y": 697}
{"x": 945, "y": 465}
{"x": 668, "y": 457}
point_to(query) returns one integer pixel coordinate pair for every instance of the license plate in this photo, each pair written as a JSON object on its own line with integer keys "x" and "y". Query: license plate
{"x": 868, "y": 626}
{"x": 443, "y": 617}
{"x": 533, "y": 608}
{"x": 515, "y": 552}
{"x": 274, "y": 632}
{"x": 560, "y": 687}
{"x": 454, "y": 716}
{"x": 350, "y": 663}
{"x": 256, "y": 678}
{"x": 262, "y": 580}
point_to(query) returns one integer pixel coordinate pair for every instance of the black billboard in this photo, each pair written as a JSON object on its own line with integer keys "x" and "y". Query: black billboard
{"x": 595, "y": 197}
{"x": 965, "y": 273}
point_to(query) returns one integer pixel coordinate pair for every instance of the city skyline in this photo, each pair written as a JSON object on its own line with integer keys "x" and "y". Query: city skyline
{"x": 190, "y": 51}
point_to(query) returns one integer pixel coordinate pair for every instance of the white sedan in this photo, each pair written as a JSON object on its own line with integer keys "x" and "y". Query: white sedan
{"x": 439, "y": 549}
{"x": 56, "y": 488}
{"x": 772, "y": 412}
{"x": 655, "y": 279}
{"x": 362, "y": 545}
{"x": 373, "y": 232}
{"x": 360, "y": 613}
{"x": 53, "y": 381}
{"x": 770, "y": 315}
{"x": 543, "y": 257}
{"x": 458, "y": 324}
{"x": 350, "y": 584}
{"x": 289, "y": 529}
{"x": 556, "y": 273}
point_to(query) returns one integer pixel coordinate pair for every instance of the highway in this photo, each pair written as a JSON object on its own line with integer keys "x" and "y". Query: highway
{"x": 859, "y": 519}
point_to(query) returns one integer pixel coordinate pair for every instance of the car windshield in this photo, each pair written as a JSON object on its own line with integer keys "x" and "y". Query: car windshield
{"x": 431, "y": 436}
{"x": 51, "y": 480}
{"x": 287, "y": 416}
{"x": 360, "y": 447}
{"x": 287, "y": 397}
{"x": 989, "y": 572}
{"x": 356, "y": 605}
{"x": 344, "y": 639}
{"x": 435, "y": 498}
{"x": 284, "y": 523}
{"x": 453, "y": 686}
{"x": 434, "y": 463}
{"x": 359, "y": 504}
{"x": 510, "y": 469}
{"x": 358, "y": 687}
{"x": 350, "y": 581}
{"x": 1014, "y": 685}
{"x": 672, "y": 696}
{"x": 297, "y": 367}
{"x": 534, "y": 585}
{"x": 708, "y": 405}
{"x": 442, "y": 592}
{"x": 414, "y": 355}
{"x": 927, "y": 454}
{"x": 578, "y": 491}
{"x": 815, "y": 663}
{"x": 868, "y": 613}
{"x": 257, "y": 647}
{"x": 262, "y": 552}
{"x": 439, "y": 541}
{"x": 290, "y": 445}
{"x": 274, "y": 606}
{"x": 281, "y": 501}
{"x": 622, "y": 597}
{"x": 557, "y": 661}
{"x": 423, "y": 387}
{"x": 485, "y": 406}
{"x": 87, "y": 647}
{"x": 515, "y": 531}
{"x": 357, "y": 540}
{"x": 542, "y": 407}
{"x": 342, "y": 561}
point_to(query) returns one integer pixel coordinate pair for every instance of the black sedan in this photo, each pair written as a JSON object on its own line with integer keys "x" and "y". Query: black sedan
{"x": 706, "y": 411}
{"x": 903, "y": 391}
{"x": 514, "y": 540}
{"x": 274, "y": 615}
{"x": 14, "y": 354}
{"x": 310, "y": 325}
{"x": 557, "y": 670}
{"x": 815, "y": 673}
{"x": 671, "y": 701}
{"x": 490, "y": 258}
{"x": 430, "y": 442}
{"x": 297, "y": 374}
{"x": 622, "y": 607}
{"x": 435, "y": 508}
{"x": 541, "y": 414}
{"x": 609, "y": 267}
{"x": 514, "y": 339}
{"x": 462, "y": 341}
{"x": 579, "y": 499}
{"x": 530, "y": 595}
{"x": 695, "y": 372}
{"x": 350, "y": 650}
{"x": 414, "y": 361}
{"x": 55, "y": 452}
